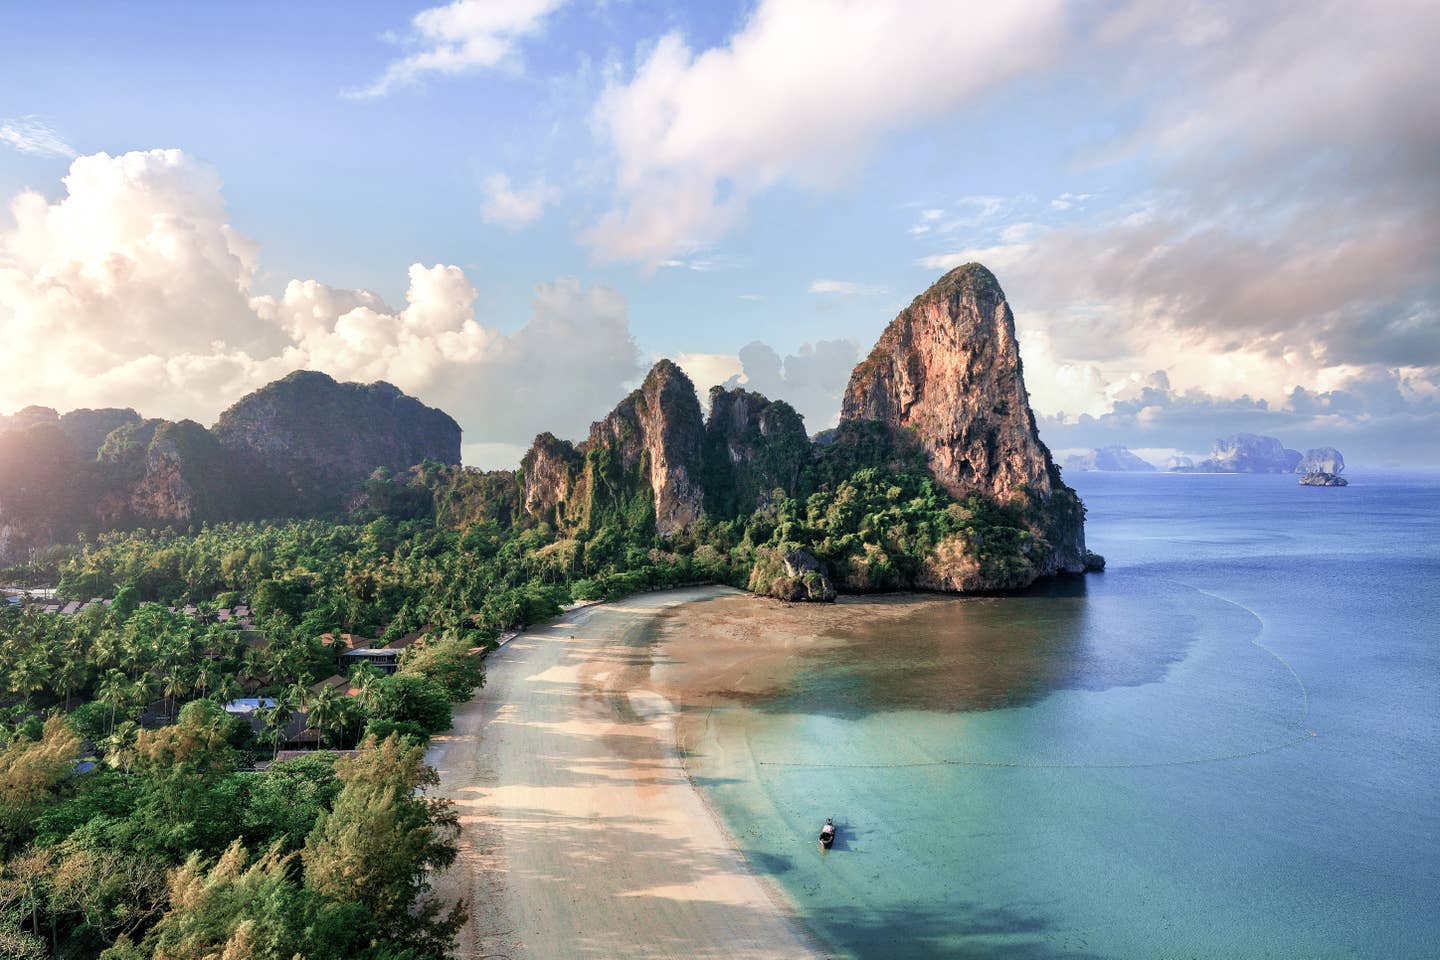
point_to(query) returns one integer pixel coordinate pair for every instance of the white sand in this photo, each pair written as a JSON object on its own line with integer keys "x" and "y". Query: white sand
{"x": 581, "y": 835}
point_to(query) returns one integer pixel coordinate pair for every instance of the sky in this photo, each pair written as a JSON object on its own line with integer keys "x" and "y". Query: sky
{"x": 1207, "y": 217}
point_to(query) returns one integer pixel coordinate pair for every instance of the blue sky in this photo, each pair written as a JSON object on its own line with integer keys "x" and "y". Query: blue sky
{"x": 1196, "y": 212}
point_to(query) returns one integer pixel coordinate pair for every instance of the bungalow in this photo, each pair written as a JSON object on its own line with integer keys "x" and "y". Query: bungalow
{"x": 386, "y": 658}
{"x": 339, "y": 683}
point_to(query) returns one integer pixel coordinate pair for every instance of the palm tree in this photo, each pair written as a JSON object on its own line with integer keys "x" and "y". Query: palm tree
{"x": 367, "y": 678}
{"x": 112, "y": 692}
{"x": 227, "y": 688}
{"x": 206, "y": 678}
{"x": 276, "y": 718}
{"x": 71, "y": 675}
{"x": 325, "y": 710}
{"x": 173, "y": 684}
{"x": 29, "y": 675}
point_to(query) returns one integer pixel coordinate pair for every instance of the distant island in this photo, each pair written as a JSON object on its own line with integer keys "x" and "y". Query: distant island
{"x": 1253, "y": 453}
{"x": 1112, "y": 458}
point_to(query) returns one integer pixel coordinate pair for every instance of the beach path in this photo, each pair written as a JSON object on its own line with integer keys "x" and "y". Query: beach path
{"x": 580, "y": 834}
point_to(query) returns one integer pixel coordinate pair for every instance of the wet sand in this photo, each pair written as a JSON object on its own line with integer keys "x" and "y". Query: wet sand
{"x": 581, "y": 834}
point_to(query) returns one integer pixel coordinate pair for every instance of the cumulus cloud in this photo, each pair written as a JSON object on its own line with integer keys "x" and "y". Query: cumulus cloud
{"x": 710, "y": 369}
{"x": 511, "y": 206}
{"x": 1287, "y": 240}
{"x": 133, "y": 289}
{"x": 32, "y": 135}
{"x": 460, "y": 37}
{"x": 696, "y": 134}
{"x": 812, "y": 380}
{"x": 1381, "y": 418}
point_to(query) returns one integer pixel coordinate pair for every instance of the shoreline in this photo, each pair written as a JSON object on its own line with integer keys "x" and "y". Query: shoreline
{"x": 583, "y": 833}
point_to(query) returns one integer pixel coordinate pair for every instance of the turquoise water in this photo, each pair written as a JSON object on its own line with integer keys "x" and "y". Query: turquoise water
{"x": 1224, "y": 746}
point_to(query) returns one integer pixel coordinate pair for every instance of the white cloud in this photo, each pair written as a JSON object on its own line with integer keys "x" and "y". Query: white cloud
{"x": 511, "y": 206}
{"x": 30, "y": 134}
{"x": 461, "y": 37}
{"x": 133, "y": 290}
{"x": 696, "y": 135}
{"x": 998, "y": 258}
{"x": 1067, "y": 201}
{"x": 708, "y": 369}
{"x": 844, "y": 288}
{"x": 812, "y": 379}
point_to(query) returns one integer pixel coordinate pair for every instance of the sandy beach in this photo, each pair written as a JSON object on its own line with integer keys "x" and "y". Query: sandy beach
{"x": 581, "y": 833}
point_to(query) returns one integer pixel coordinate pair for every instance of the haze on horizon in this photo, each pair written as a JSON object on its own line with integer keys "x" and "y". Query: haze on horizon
{"x": 1207, "y": 217}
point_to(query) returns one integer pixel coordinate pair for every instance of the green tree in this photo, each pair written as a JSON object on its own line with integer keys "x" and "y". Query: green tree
{"x": 380, "y": 842}
{"x": 450, "y": 663}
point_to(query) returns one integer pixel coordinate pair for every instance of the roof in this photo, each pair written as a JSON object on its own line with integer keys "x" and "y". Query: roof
{"x": 372, "y": 653}
{"x": 404, "y": 641}
{"x": 349, "y": 641}
{"x": 339, "y": 683}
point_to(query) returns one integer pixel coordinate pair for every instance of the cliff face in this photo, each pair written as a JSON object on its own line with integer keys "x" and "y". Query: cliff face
{"x": 298, "y": 446}
{"x": 1112, "y": 459}
{"x": 1322, "y": 460}
{"x": 642, "y": 461}
{"x": 753, "y": 446}
{"x": 320, "y": 437}
{"x": 46, "y": 485}
{"x": 948, "y": 369}
{"x": 657, "y": 432}
{"x": 89, "y": 428}
{"x": 158, "y": 472}
{"x": 1249, "y": 453}
{"x": 551, "y": 469}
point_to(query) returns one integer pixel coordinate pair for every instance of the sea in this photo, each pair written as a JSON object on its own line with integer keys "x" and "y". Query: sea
{"x": 1225, "y": 745}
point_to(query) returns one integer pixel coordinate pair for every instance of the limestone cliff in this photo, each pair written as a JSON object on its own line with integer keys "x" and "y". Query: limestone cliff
{"x": 753, "y": 446}
{"x": 300, "y": 446}
{"x": 89, "y": 428}
{"x": 47, "y": 485}
{"x": 159, "y": 473}
{"x": 642, "y": 463}
{"x": 552, "y": 469}
{"x": 1322, "y": 460}
{"x": 948, "y": 370}
{"x": 1249, "y": 453}
{"x": 1111, "y": 459}
{"x": 320, "y": 438}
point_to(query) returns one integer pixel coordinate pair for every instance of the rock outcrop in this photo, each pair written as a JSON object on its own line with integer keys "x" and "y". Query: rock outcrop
{"x": 1248, "y": 453}
{"x": 1115, "y": 459}
{"x": 1321, "y": 479}
{"x": 642, "y": 463}
{"x": 1321, "y": 460}
{"x": 89, "y": 428}
{"x": 1180, "y": 462}
{"x": 948, "y": 370}
{"x": 753, "y": 447}
{"x": 160, "y": 472}
{"x": 314, "y": 438}
{"x": 47, "y": 485}
{"x": 790, "y": 574}
{"x": 300, "y": 446}
{"x": 552, "y": 469}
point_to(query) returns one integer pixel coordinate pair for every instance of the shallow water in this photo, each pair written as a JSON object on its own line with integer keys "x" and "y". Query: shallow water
{"x": 1224, "y": 746}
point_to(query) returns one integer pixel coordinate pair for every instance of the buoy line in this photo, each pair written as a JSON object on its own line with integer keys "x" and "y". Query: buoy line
{"x": 1091, "y": 765}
